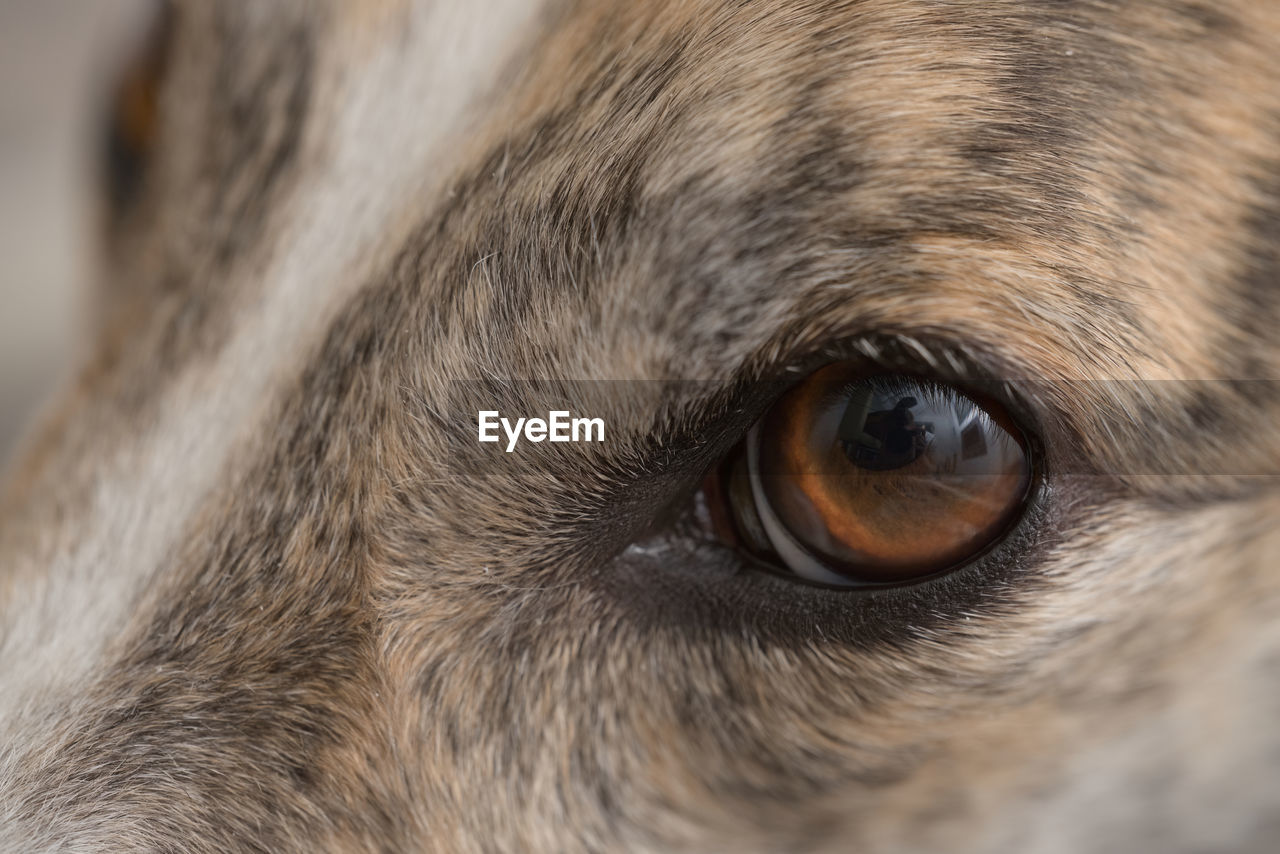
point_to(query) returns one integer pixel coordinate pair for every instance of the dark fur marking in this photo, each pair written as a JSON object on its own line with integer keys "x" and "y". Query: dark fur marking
{"x": 1209, "y": 20}
{"x": 258, "y": 122}
{"x": 130, "y": 133}
{"x": 256, "y": 109}
{"x": 1255, "y": 296}
{"x": 176, "y": 692}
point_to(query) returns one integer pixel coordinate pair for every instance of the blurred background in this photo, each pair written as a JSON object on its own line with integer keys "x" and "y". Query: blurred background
{"x": 58, "y": 60}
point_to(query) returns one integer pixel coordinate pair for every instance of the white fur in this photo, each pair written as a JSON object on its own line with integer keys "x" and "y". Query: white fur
{"x": 396, "y": 112}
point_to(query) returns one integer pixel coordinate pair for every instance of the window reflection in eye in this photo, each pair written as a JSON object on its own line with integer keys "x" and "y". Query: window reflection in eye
{"x": 856, "y": 479}
{"x": 882, "y": 429}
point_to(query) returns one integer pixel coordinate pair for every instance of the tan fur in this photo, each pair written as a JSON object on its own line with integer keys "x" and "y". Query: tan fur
{"x": 260, "y": 589}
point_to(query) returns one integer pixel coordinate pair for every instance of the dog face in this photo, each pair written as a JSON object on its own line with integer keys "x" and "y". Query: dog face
{"x": 264, "y": 590}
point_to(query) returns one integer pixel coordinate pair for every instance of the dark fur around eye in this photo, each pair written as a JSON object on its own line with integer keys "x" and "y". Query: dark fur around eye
{"x": 132, "y": 119}
{"x": 672, "y": 574}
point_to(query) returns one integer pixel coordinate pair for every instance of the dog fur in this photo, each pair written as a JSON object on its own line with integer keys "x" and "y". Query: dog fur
{"x": 261, "y": 590}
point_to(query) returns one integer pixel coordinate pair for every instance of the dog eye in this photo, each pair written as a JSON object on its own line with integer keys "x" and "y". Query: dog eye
{"x": 853, "y": 479}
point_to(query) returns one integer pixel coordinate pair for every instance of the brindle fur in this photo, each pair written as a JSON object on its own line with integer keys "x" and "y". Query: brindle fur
{"x": 262, "y": 591}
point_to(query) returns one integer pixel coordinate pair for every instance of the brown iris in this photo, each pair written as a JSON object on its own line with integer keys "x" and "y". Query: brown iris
{"x": 853, "y": 479}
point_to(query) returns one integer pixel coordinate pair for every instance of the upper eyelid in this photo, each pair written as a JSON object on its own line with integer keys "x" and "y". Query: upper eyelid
{"x": 933, "y": 357}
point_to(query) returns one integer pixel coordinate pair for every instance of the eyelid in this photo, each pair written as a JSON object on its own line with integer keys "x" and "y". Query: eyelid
{"x": 978, "y": 371}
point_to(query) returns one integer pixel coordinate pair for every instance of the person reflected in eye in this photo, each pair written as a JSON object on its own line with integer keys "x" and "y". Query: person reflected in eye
{"x": 902, "y": 439}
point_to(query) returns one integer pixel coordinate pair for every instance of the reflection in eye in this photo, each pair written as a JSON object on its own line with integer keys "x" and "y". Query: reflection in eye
{"x": 851, "y": 479}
